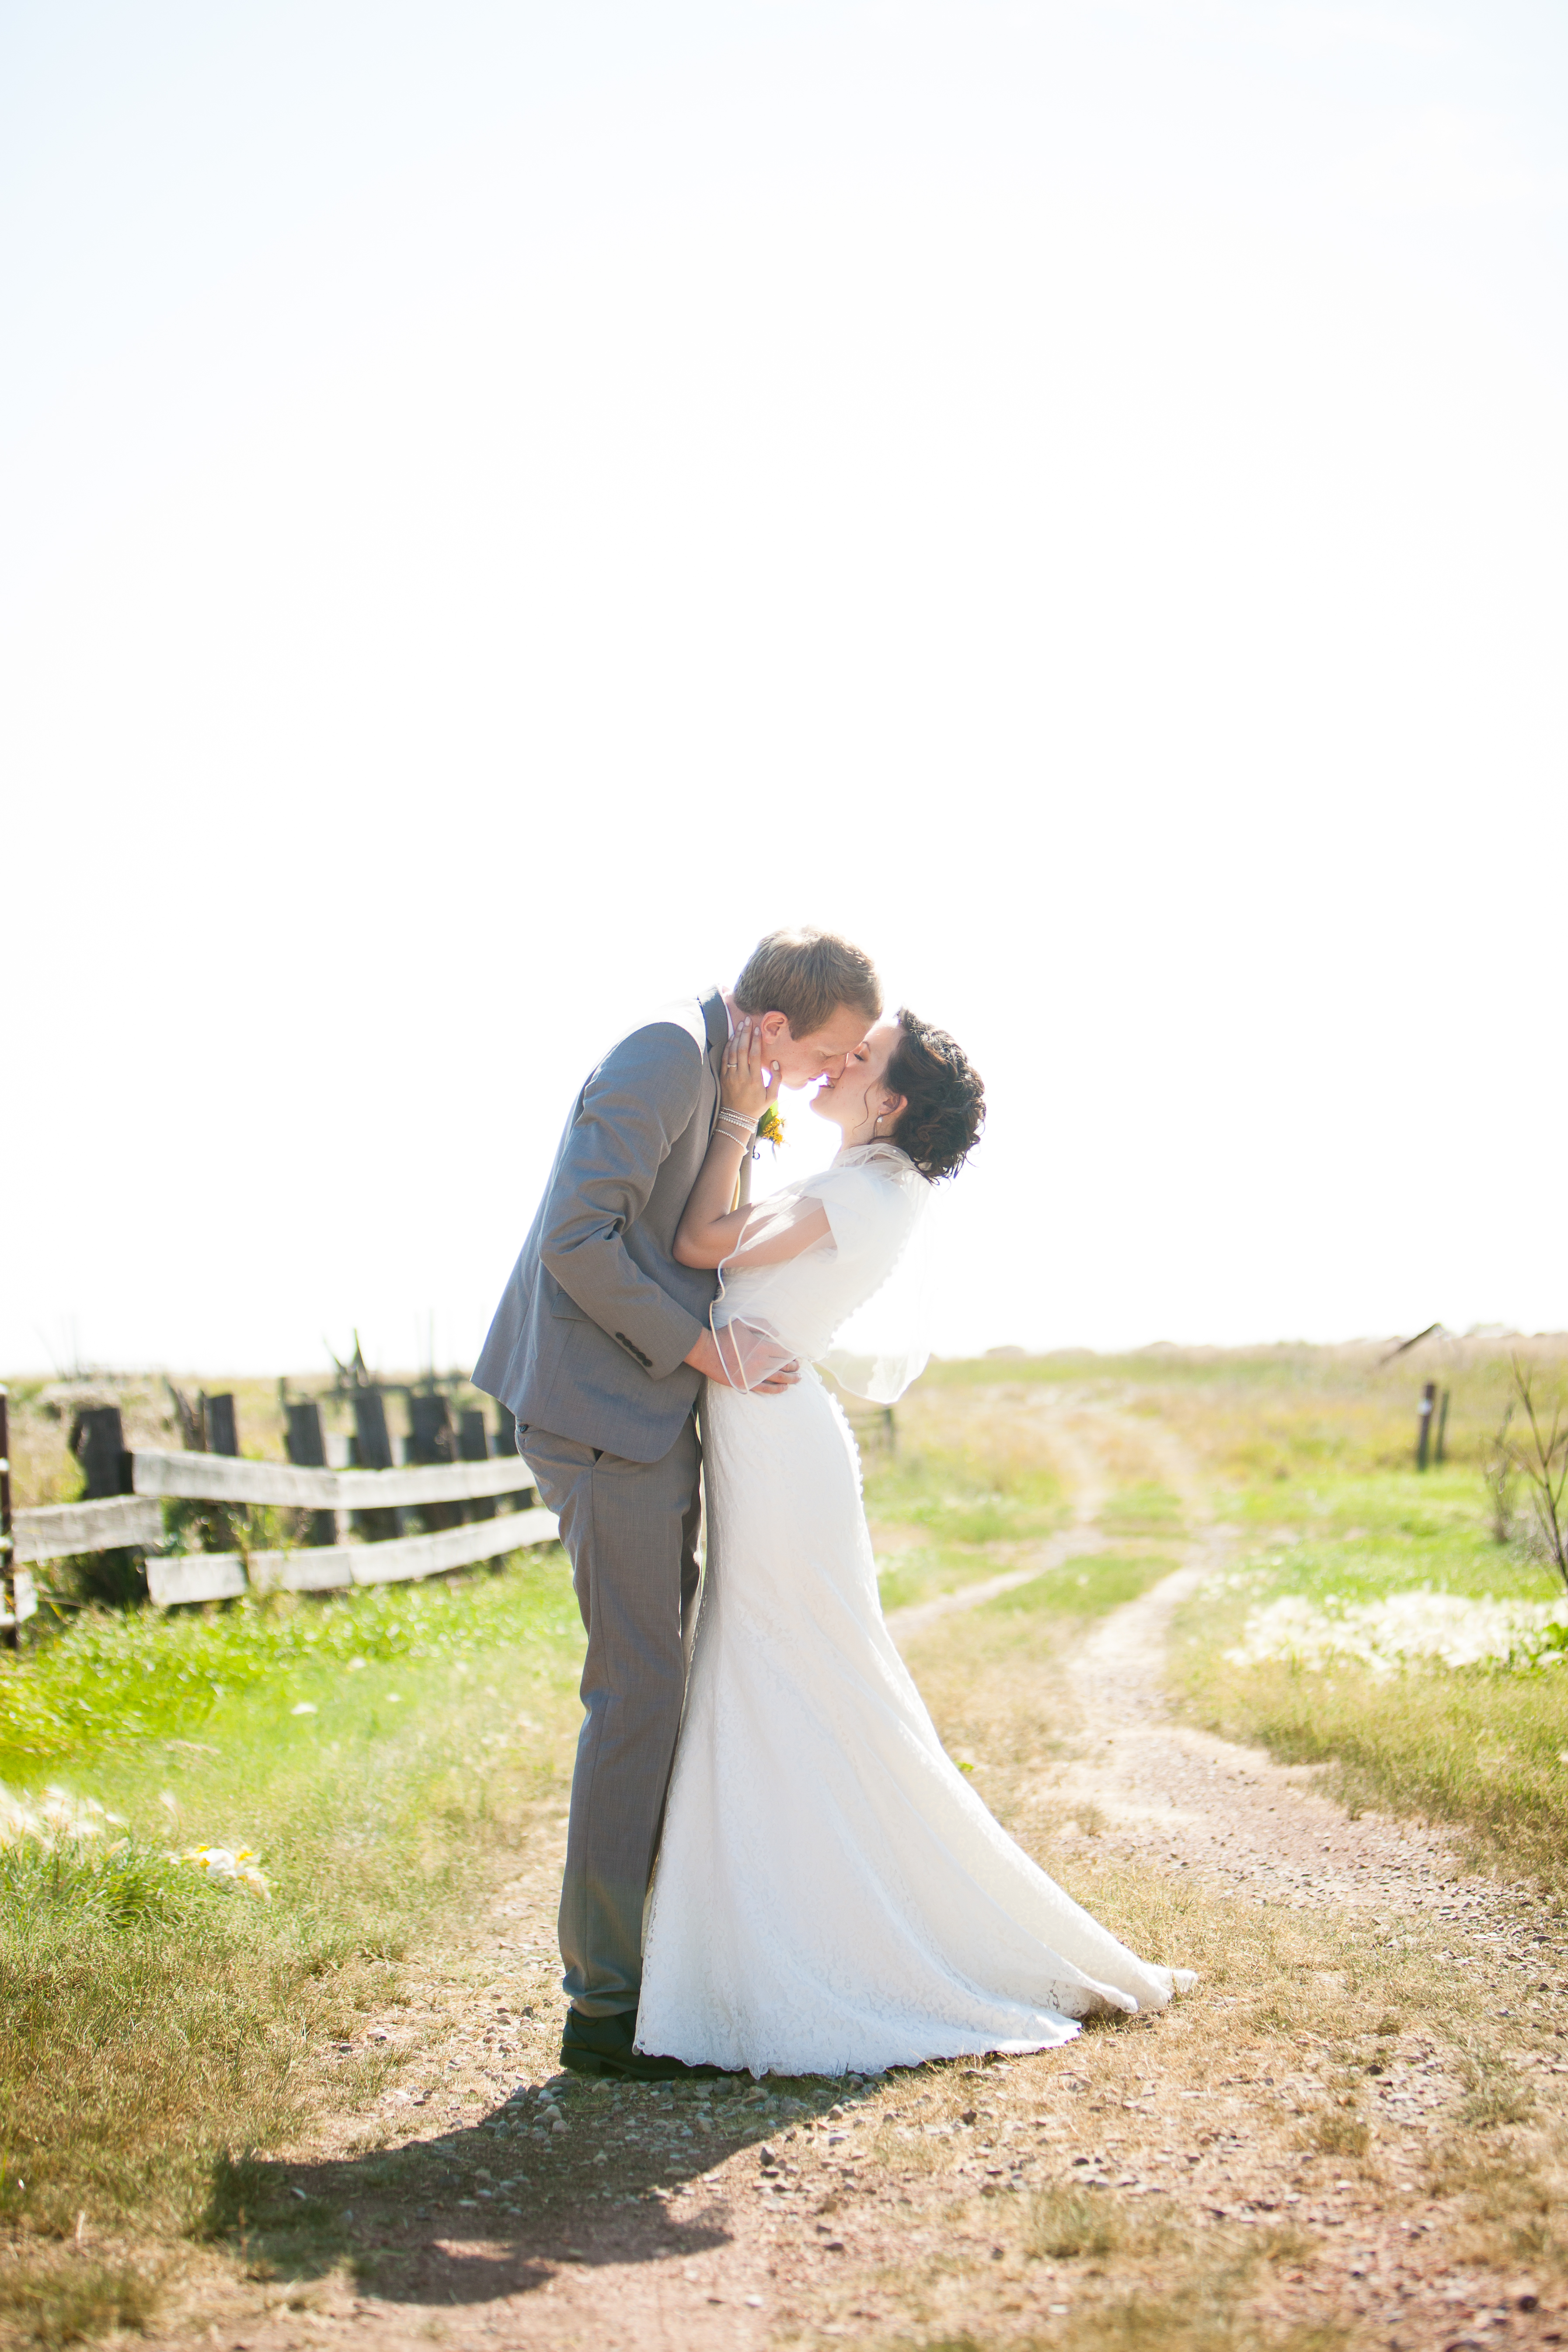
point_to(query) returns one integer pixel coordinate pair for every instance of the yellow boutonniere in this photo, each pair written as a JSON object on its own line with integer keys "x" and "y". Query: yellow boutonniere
{"x": 770, "y": 1127}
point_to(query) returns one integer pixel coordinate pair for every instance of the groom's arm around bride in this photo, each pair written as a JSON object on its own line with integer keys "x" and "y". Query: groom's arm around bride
{"x": 599, "y": 1348}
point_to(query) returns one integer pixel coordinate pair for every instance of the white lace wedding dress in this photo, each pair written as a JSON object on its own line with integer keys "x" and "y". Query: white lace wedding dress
{"x": 830, "y": 1893}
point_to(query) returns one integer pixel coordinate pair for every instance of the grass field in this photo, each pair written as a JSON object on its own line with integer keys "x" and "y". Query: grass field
{"x": 389, "y": 1756}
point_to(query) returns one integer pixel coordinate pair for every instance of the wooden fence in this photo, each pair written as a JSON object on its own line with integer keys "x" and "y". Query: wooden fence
{"x": 470, "y": 1492}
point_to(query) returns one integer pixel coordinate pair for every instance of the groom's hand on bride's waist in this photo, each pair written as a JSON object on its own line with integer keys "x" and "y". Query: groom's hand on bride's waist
{"x": 766, "y": 1378}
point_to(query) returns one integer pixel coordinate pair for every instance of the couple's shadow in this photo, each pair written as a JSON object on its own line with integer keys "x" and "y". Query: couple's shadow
{"x": 496, "y": 2207}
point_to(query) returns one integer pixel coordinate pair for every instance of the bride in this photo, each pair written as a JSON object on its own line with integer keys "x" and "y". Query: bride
{"x": 830, "y": 1894}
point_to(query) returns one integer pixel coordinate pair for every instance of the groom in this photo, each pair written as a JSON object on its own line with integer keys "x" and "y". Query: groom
{"x": 600, "y": 1346}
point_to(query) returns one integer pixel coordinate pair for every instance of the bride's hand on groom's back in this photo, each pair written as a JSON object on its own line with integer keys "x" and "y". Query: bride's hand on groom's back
{"x": 741, "y": 1084}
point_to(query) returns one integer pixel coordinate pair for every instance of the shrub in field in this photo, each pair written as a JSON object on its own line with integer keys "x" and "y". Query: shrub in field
{"x": 1494, "y": 2093}
{"x": 1339, "y": 2131}
{"x": 1065, "y": 2222}
{"x": 1541, "y": 1457}
{"x": 1500, "y": 1472}
{"x": 126, "y": 1886}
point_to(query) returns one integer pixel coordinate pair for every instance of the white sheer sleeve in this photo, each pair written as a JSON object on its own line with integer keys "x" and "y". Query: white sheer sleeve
{"x": 775, "y": 1233}
{"x": 749, "y": 1348}
{"x": 828, "y": 1271}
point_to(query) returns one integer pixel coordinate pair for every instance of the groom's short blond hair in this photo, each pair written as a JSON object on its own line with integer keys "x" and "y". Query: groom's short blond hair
{"x": 805, "y": 976}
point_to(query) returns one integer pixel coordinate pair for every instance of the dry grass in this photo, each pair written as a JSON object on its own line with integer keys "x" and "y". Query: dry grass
{"x": 1480, "y": 1749}
{"x": 65, "y": 2297}
{"x": 1206, "y": 2313}
{"x": 1070, "y": 2224}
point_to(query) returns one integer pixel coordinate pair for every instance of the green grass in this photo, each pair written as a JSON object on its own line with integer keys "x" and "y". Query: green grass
{"x": 955, "y": 1506}
{"x": 154, "y": 2022}
{"x": 958, "y": 1498}
{"x": 1089, "y": 1587}
{"x": 1143, "y": 1508}
{"x": 1480, "y": 1747}
{"x": 1364, "y": 1537}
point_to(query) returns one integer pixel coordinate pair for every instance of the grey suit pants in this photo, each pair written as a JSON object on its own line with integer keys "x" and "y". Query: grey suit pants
{"x": 631, "y": 1531}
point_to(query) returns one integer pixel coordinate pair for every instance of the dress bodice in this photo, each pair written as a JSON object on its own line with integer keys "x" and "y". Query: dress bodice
{"x": 872, "y": 1196}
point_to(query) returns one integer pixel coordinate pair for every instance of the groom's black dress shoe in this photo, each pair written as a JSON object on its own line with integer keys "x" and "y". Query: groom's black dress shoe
{"x": 603, "y": 2046}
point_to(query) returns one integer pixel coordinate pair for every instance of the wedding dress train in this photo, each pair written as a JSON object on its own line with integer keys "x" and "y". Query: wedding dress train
{"x": 831, "y": 1894}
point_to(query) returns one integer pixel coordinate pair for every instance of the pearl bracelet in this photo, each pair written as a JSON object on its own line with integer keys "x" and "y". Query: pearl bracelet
{"x": 735, "y": 1123}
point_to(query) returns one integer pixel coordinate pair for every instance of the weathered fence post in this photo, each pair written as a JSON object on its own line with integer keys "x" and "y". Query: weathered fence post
{"x": 307, "y": 1448}
{"x": 222, "y": 1431}
{"x": 430, "y": 1440}
{"x": 473, "y": 1445}
{"x": 372, "y": 1451}
{"x": 219, "y": 1434}
{"x": 98, "y": 1440}
{"x": 1439, "y": 1451}
{"x": 373, "y": 1442}
{"x": 1424, "y": 1424}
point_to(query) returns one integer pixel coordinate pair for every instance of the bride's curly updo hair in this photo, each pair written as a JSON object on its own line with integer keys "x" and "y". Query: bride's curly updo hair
{"x": 945, "y": 1105}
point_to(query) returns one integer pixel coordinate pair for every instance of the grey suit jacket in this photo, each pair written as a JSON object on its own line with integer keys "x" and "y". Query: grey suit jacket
{"x": 591, "y": 1330}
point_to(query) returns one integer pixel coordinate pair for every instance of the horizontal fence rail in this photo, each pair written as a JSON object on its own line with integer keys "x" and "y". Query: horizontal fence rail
{"x": 223, "y": 1478}
{"x": 88, "y": 1527}
{"x": 221, "y": 1576}
{"x": 136, "y": 1520}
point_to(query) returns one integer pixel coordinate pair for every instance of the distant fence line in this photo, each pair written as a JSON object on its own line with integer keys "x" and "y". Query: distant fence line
{"x": 126, "y": 1490}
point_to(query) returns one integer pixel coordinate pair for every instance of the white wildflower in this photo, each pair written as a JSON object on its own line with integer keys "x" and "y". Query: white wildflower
{"x": 1406, "y": 1629}
{"x": 17, "y": 1820}
{"x": 236, "y": 1866}
{"x": 55, "y": 1819}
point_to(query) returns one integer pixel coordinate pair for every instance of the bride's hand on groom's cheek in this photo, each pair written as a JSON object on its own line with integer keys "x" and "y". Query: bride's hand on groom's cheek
{"x": 742, "y": 1088}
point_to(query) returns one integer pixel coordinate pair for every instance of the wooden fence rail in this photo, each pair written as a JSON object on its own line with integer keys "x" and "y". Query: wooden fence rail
{"x": 220, "y": 1478}
{"x": 215, "y": 1575}
{"x": 136, "y": 1519}
{"x": 65, "y": 1528}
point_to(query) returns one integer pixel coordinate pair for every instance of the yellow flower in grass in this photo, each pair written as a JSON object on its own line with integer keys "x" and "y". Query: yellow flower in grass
{"x": 236, "y": 1866}
{"x": 770, "y": 1127}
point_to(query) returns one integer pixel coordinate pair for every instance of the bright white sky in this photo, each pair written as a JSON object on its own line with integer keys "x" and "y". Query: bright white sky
{"x": 502, "y": 503}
